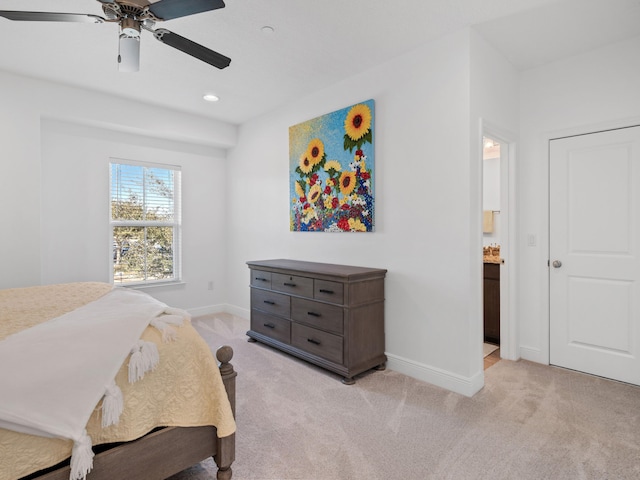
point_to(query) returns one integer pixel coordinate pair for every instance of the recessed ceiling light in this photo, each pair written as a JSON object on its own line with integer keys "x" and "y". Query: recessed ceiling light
{"x": 267, "y": 30}
{"x": 210, "y": 97}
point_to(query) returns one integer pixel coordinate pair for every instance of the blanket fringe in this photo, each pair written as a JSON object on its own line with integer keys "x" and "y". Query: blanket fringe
{"x": 178, "y": 312}
{"x": 112, "y": 405}
{"x": 144, "y": 357}
{"x": 150, "y": 355}
{"x": 171, "y": 317}
{"x": 168, "y": 332}
{"x": 81, "y": 457}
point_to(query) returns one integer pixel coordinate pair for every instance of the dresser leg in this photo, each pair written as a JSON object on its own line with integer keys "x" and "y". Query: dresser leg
{"x": 382, "y": 366}
{"x": 348, "y": 381}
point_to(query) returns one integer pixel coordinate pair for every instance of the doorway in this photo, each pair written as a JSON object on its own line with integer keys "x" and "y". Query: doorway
{"x": 491, "y": 245}
{"x": 500, "y": 146}
{"x": 594, "y": 251}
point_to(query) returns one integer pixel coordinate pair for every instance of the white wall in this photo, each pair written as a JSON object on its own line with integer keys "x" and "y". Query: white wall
{"x": 426, "y": 183}
{"x": 581, "y": 94}
{"x": 430, "y": 105}
{"x": 491, "y": 184}
{"x": 494, "y": 112}
{"x": 491, "y": 198}
{"x": 56, "y": 146}
{"x": 19, "y": 186}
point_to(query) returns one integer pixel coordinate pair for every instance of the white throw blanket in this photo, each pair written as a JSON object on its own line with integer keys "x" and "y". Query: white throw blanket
{"x": 53, "y": 375}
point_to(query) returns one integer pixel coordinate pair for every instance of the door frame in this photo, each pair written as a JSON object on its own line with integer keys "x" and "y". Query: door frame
{"x": 508, "y": 325}
{"x": 545, "y": 333}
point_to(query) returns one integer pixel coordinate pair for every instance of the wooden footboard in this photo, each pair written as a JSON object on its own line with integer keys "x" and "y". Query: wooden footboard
{"x": 166, "y": 451}
{"x": 226, "y": 447}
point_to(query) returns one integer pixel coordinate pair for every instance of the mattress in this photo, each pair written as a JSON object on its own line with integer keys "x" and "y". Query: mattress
{"x": 185, "y": 389}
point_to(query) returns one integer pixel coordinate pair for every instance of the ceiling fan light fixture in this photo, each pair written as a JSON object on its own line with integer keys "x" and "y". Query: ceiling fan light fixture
{"x": 129, "y": 54}
{"x": 210, "y": 97}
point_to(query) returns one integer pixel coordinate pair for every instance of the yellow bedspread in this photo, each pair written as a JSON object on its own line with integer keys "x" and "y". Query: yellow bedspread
{"x": 184, "y": 390}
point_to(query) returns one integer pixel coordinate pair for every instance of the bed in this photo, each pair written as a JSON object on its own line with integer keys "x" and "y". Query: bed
{"x": 177, "y": 415}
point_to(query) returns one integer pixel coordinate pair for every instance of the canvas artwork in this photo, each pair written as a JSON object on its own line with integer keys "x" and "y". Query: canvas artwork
{"x": 331, "y": 171}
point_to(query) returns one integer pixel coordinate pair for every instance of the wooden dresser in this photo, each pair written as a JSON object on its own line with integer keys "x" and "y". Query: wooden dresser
{"x": 329, "y": 315}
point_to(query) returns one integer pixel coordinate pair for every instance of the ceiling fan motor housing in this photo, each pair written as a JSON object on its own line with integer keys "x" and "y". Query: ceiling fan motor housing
{"x": 130, "y": 27}
{"x": 138, "y": 10}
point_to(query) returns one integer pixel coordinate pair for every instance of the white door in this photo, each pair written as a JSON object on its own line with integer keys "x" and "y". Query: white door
{"x": 594, "y": 250}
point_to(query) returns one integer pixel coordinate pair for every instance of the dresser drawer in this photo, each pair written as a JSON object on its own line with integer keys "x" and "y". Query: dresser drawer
{"x": 274, "y": 327}
{"x": 316, "y": 314}
{"x": 317, "y": 342}
{"x": 328, "y": 291}
{"x": 260, "y": 279}
{"x": 292, "y": 284}
{"x": 271, "y": 302}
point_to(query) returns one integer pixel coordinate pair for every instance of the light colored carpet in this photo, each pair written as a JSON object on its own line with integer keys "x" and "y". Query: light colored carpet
{"x": 296, "y": 421}
{"x": 488, "y": 349}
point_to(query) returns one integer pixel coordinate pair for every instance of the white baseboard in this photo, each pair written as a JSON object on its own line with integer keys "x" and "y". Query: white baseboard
{"x": 244, "y": 313}
{"x": 533, "y": 355}
{"x": 467, "y": 386}
{"x": 208, "y": 310}
{"x": 221, "y": 308}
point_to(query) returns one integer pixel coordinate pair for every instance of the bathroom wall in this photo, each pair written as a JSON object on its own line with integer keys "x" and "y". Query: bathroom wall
{"x": 491, "y": 194}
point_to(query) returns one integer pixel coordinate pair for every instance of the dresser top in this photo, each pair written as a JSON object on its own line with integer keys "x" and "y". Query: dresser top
{"x": 346, "y": 272}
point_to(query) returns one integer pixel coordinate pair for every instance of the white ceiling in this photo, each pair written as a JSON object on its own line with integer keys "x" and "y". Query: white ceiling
{"x": 315, "y": 43}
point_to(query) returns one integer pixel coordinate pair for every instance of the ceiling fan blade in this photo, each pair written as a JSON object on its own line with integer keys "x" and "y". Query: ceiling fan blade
{"x": 169, "y": 9}
{"x": 50, "y": 17}
{"x": 192, "y": 48}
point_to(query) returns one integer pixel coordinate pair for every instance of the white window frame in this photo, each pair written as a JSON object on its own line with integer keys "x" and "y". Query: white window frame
{"x": 176, "y": 224}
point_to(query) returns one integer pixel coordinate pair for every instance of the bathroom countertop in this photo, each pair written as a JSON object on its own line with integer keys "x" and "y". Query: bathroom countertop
{"x": 492, "y": 259}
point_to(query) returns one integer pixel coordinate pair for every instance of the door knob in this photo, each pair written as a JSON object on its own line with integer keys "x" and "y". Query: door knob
{"x": 556, "y": 264}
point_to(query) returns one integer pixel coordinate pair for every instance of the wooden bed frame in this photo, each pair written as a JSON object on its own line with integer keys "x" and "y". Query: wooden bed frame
{"x": 165, "y": 451}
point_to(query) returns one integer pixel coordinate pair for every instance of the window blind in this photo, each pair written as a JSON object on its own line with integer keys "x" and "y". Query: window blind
{"x": 145, "y": 221}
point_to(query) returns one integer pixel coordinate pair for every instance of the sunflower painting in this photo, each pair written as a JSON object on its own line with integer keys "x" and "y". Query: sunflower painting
{"x": 331, "y": 171}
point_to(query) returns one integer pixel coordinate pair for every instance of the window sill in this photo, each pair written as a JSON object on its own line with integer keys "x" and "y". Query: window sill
{"x": 144, "y": 286}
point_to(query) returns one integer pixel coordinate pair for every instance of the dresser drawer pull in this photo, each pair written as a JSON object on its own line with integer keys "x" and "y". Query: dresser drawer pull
{"x": 269, "y": 325}
{"x": 269, "y": 302}
{"x": 330, "y": 292}
{"x": 313, "y": 314}
{"x": 289, "y": 284}
{"x": 311, "y": 340}
{"x": 262, "y": 279}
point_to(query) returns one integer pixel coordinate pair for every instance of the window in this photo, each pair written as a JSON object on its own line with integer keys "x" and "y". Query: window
{"x": 145, "y": 222}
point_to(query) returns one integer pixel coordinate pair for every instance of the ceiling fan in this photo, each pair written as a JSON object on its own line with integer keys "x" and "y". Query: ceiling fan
{"x": 133, "y": 16}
